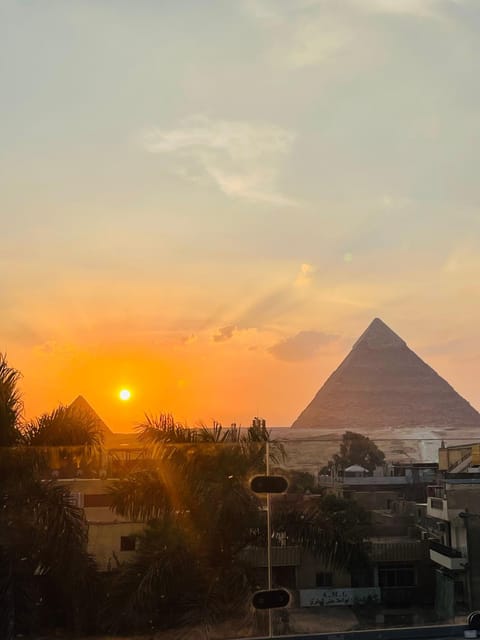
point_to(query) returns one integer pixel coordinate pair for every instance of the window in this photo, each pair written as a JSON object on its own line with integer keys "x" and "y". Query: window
{"x": 97, "y": 500}
{"x": 127, "y": 543}
{"x": 323, "y": 579}
{"x": 76, "y": 499}
{"x": 396, "y": 576}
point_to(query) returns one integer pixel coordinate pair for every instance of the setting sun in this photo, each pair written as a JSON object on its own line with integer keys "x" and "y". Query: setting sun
{"x": 124, "y": 394}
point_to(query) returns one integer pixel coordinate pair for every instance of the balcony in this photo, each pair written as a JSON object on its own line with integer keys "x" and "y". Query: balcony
{"x": 289, "y": 556}
{"x": 437, "y": 508}
{"x": 364, "y": 481}
{"x": 447, "y": 557}
{"x": 436, "y": 491}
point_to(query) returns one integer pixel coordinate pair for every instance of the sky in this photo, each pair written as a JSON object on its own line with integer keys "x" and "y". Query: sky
{"x": 208, "y": 202}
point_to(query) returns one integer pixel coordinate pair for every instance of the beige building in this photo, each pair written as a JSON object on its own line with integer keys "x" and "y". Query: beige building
{"x": 452, "y": 525}
{"x": 111, "y": 538}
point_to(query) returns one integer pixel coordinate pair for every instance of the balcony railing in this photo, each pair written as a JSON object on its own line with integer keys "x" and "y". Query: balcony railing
{"x": 436, "y": 503}
{"x": 435, "y": 491}
{"x": 444, "y": 550}
{"x": 327, "y": 481}
{"x": 289, "y": 556}
{"x": 447, "y": 557}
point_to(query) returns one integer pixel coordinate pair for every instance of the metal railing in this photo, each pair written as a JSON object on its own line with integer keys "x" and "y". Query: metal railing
{"x": 450, "y": 552}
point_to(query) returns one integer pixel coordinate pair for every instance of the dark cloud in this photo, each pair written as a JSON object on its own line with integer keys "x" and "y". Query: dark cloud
{"x": 225, "y": 333}
{"x": 302, "y": 346}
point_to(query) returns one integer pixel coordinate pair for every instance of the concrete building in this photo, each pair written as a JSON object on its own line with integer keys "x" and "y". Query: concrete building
{"x": 450, "y": 519}
{"x": 393, "y": 480}
{"x": 111, "y": 538}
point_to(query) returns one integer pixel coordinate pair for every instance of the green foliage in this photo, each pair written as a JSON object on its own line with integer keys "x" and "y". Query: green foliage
{"x": 64, "y": 426}
{"x": 301, "y": 482}
{"x": 193, "y": 488}
{"x": 67, "y": 440}
{"x": 43, "y": 540}
{"x": 153, "y": 591}
{"x": 332, "y": 528}
{"x": 356, "y": 448}
{"x": 44, "y": 564}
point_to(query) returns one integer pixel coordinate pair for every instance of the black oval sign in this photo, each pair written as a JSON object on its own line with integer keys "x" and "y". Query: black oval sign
{"x": 272, "y": 599}
{"x": 269, "y": 484}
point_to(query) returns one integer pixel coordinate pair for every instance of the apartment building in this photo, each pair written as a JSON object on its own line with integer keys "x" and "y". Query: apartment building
{"x": 450, "y": 519}
{"x": 111, "y": 538}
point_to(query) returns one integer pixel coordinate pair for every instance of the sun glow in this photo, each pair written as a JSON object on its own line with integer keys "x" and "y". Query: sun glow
{"x": 124, "y": 395}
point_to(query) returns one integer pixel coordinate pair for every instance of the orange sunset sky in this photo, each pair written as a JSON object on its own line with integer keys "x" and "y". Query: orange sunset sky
{"x": 207, "y": 203}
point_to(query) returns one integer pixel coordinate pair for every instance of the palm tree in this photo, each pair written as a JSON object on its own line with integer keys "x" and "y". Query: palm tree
{"x": 67, "y": 440}
{"x": 333, "y": 529}
{"x": 11, "y": 405}
{"x": 64, "y": 426}
{"x": 156, "y": 589}
{"x": 43, "y": 544}
{"x": 44, "y": 564}
{"x": 193, "y": 482}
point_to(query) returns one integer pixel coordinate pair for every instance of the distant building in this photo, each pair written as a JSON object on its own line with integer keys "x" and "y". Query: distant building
{"x": 450, "y": 520}
{"x": 111, "y": 538}
{"x": 393, "y": 480}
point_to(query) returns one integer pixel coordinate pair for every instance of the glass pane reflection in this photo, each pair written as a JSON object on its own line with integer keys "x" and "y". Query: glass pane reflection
{"x": 168, "y": 537}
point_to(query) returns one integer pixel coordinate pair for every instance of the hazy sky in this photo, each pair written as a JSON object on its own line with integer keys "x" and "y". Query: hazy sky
{"x": 207, "y": 202}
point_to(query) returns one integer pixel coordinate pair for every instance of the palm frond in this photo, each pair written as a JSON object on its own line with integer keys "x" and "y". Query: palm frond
{"x": 11, "y": 405}
{"x": 64, "y": 426}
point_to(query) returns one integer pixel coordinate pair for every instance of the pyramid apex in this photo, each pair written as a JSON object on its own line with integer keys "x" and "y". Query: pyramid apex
{"x": 378, "y": 335}
{"x": 80, "y": 400}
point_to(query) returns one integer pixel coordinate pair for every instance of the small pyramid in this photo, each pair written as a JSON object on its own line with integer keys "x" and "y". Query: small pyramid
{"x": 82, "y": 406}
{"x": 382, "y": 383}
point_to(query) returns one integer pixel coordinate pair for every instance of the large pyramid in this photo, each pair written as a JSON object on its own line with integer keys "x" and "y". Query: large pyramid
{"x": 82, "y": 406}
{"x": 111, "y": 440}
{"x": 383, "y": 383}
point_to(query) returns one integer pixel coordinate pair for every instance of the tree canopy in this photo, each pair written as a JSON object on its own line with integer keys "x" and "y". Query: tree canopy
{"x": 355, "y": 448}
{"x": 190, "y": 488}
{"x": 11, "y": 405}
{"x": 44, "y": 564}
{"x": 331, "y": 527}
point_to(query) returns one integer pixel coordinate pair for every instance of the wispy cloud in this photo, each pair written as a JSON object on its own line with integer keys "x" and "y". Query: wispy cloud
{"x": 463, "y": 261}
{"x": 302, "y": 346}
{"x": 242, "y": 159}
{"x": 302, "y": 33}
{"x": 273, "y": 12}
{"x": 312, "y": 32}
{"x": 269, "y": 310}
{"x": 416, "y": 8}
